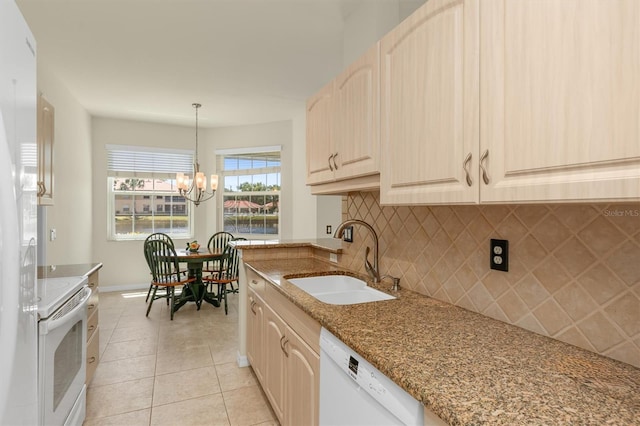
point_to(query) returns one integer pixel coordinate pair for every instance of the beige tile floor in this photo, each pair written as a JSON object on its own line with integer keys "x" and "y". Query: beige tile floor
{"x": 154, "y": 371}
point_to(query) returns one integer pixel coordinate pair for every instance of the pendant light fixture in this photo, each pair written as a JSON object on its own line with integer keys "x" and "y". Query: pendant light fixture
{"x": 195, "y": 190}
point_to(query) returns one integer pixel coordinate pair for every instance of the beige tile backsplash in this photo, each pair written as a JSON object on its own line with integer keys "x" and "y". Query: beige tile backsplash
{"x": 574, "y": 270}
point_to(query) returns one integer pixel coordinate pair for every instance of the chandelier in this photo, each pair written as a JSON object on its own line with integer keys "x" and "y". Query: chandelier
{"x": 195, "y": 190}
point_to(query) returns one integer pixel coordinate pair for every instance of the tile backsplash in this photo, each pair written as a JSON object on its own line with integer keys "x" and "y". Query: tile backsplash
{"x": 574, "y": 270}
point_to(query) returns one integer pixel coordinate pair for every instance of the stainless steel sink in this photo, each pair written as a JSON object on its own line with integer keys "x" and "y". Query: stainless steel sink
{"x": 339, "y": 289}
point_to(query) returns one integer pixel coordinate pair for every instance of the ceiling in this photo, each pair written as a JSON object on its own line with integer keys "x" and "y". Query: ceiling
{"x": 245, "y": 61}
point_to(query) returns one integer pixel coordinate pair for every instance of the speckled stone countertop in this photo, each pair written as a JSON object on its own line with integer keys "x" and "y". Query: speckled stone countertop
{"x": 467, "y": 368}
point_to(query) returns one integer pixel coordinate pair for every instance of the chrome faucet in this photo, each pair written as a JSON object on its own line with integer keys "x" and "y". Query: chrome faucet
{"x": 372, "y": 270}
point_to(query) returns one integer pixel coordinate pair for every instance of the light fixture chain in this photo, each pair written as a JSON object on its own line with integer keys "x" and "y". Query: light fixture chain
{"x": 196, "y": 106}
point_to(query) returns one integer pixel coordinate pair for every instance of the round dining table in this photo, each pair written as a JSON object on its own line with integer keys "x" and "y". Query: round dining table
{"x": 197, "y": 290}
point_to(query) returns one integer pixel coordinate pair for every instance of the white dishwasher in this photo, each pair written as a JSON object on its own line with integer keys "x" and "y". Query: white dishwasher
{"x": 353, "y": 392}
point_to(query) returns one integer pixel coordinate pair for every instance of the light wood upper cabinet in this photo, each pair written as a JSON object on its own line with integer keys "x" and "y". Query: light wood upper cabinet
{"x": 356, "y": 141}
{"x": 45, "y": 137}
{"x": 499, "y": 101}
{"x": 560, "y": 100}
{"x": 343, "y": 141}
{"x": 319, "y": 136}
{"x": 429, "y": 100}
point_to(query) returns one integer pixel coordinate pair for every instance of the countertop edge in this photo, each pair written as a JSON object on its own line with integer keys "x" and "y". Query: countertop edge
{"x": 68, "y": 270}
{"x": 331, "y": 245}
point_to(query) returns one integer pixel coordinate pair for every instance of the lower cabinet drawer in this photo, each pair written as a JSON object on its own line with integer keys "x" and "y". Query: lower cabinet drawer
{"x": 93, "y": 349}
{"x": 92, "y": 324}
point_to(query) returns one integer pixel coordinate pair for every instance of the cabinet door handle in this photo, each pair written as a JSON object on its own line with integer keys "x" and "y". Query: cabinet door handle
{"x": 465, "y": 166}
{"x": 91, "y": 306}
{"x": 483, "y": 161}
{"x": 254, "y": 282}
{"x": 335, "y": 165}
{"x": 91, "y": 328}
{"x": 330, "y": 166}
{"x": 91, "y": 360}
{"x": 252, "y": 306}
{"x": 283, "y": 342}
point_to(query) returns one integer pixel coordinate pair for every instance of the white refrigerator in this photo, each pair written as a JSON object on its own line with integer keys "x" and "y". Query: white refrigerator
{"x": 18, "y": 220}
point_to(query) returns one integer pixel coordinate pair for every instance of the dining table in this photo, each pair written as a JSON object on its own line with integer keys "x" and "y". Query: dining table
{"x": 197, "y": 290}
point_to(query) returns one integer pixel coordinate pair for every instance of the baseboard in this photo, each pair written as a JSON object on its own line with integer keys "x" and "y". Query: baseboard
{"x": 242, "y": 360}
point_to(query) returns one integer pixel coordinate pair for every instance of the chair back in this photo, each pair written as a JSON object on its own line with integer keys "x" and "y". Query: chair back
{"x": 218, "y": 241}
{"x": 231, "y": 263}
{"x": 162, "y": 261}
{"x": 156, "y": 236}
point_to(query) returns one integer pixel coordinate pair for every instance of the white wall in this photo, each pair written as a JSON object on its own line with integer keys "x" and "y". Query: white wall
{"x": 71, "y": 215}
{"x": 366, "y": 25}
{"x": 123, "y": 261}
{"x": 124, "y": 265}
{"x": 303, "y": 213}
{"x": 290, "y": 136}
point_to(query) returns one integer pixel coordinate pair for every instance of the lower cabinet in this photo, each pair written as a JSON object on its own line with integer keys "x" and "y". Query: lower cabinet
{"x": 280, "y": 347}
{"x": 255, "y": 341}
{"x": 93, "y": 332}
{"x": 302, "y": 378}
{"x": 275, "y": 362}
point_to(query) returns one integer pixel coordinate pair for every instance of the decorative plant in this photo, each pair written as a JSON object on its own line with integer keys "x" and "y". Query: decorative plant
{"x": 193, "y": 246}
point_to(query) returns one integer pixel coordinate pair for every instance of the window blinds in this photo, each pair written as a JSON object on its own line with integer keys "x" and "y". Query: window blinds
{"x": 136, "y": 161}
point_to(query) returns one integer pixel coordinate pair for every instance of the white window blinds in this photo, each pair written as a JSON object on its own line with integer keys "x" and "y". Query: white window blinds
{"x": 136, "y": 161}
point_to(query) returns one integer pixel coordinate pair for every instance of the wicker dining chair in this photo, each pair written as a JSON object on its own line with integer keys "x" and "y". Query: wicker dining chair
{"x": 166, "y": 273}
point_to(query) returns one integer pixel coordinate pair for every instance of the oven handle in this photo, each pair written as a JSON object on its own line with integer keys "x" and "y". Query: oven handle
{"x": 53, "y": 324}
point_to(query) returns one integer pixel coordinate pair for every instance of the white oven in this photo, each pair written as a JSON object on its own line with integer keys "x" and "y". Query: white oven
{"x": 62, "y": 350}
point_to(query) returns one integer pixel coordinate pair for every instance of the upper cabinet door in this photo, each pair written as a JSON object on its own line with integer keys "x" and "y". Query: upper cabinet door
{"x": 429, "y": 106}
{"x": 319, "y": 136}
{"x": 560, "y": 100}
{"x": 355, "y": 136}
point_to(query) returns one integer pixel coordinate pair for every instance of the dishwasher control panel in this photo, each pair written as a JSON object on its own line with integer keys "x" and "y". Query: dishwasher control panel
{"x": 369, "y": 379}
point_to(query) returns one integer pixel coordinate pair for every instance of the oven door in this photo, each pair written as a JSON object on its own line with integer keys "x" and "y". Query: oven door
{"x": 62, "y": 359}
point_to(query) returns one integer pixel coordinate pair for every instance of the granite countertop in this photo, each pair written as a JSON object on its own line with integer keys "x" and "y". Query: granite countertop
{"x": 467, "y": 368}
{"x": 59, "y": 271}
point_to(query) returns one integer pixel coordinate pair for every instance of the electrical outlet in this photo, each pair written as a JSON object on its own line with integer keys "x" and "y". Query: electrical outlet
{"x": 348, "y": 234}
{"x": 499, "y": 255}
{"x": 329, "y": 229}
{"x": 52, "y": 234}
{"x": 333, "y": 257}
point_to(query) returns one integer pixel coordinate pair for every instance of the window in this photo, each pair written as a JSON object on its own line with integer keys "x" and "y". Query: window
{"x": 142, "y": 193}
{"x": 251, "y": 195}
